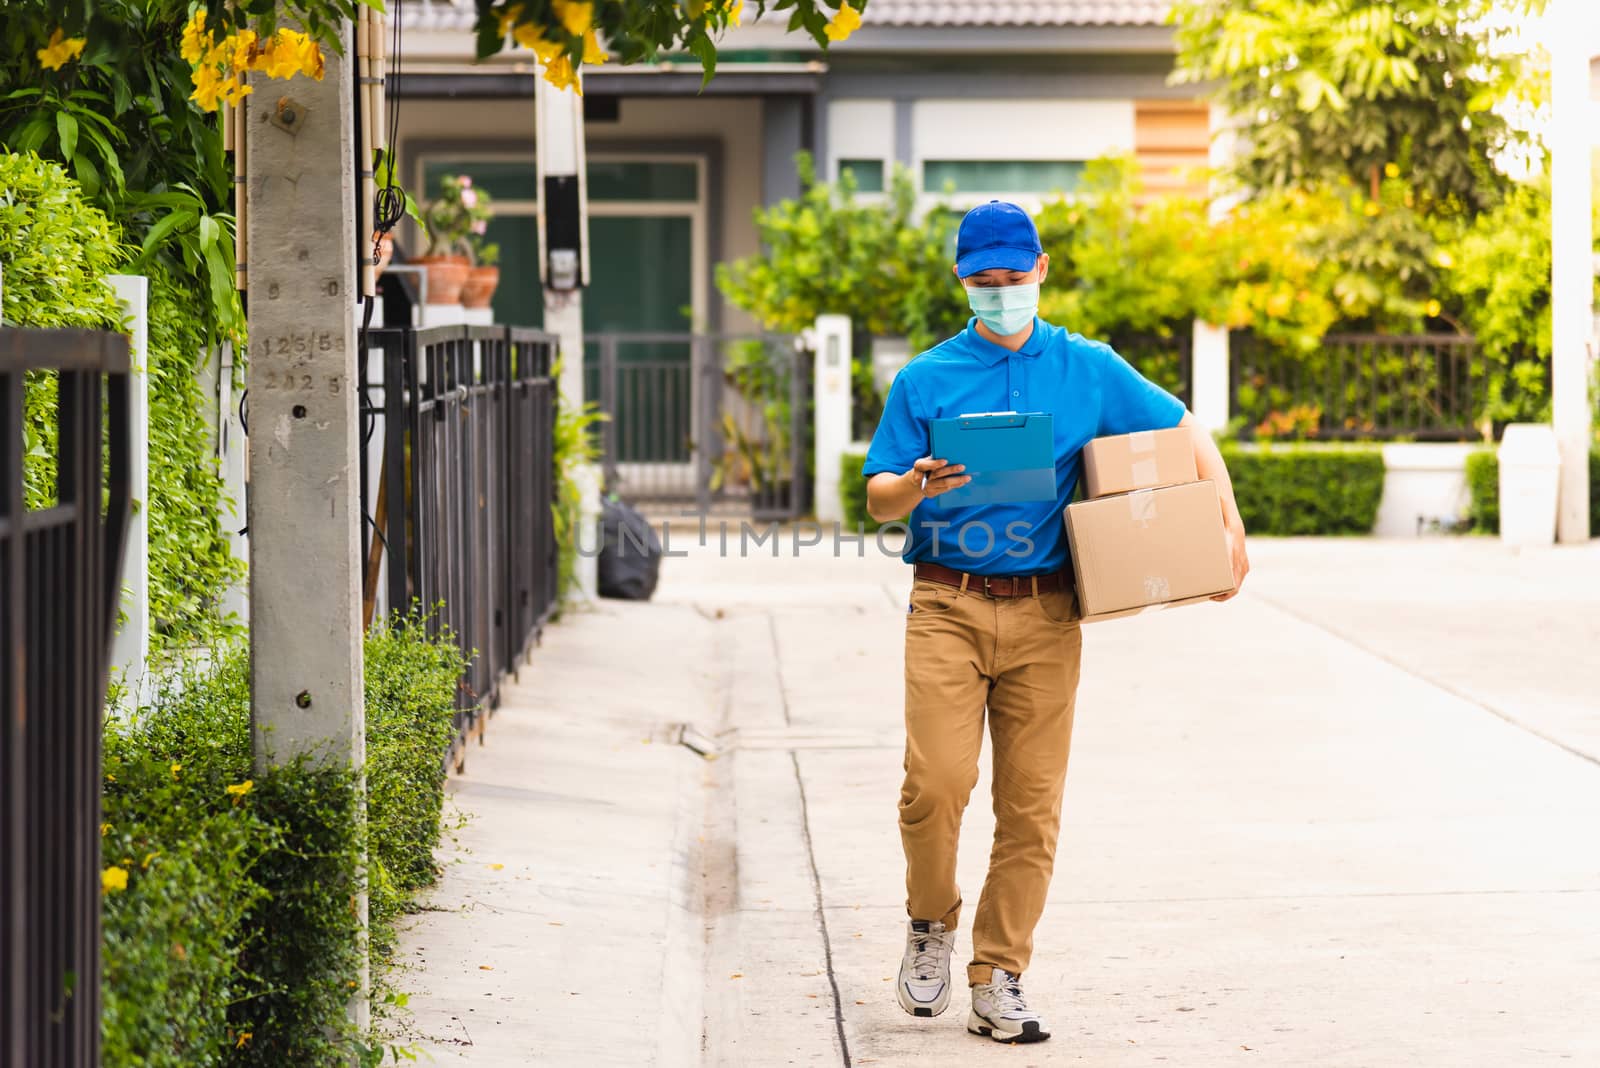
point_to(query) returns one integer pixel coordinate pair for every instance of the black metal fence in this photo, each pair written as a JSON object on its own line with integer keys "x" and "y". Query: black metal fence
{"x": 1166, "y": 361}
{"x": 704, "y": 421}
{"x": 59, "y": 570}
{"x": 1429, "y": 387}
{"x": 462, "y": 492}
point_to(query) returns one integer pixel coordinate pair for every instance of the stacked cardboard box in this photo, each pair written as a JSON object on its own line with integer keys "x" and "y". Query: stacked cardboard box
{"x": 1150, "y": 535}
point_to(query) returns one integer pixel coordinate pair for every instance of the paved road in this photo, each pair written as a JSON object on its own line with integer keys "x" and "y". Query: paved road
{"x": 1348, "y": 820}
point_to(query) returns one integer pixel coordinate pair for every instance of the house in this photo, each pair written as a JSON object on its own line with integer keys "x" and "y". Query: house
{"x": 978, "y": 98}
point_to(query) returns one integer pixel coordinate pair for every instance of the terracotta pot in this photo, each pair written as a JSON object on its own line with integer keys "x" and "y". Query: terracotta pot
{"x": 446, "y": 276}
{"x": 480, "y": 287}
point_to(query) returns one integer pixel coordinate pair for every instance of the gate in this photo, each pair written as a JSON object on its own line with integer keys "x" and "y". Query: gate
{"x": 708, "y": 422}
{"x": 59, "y": 566}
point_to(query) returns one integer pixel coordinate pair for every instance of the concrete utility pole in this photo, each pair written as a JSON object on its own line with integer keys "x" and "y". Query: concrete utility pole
{"x": 304, "y": 511}
{"x": 1572, "y": 25}
{"x": 563, "y": 226}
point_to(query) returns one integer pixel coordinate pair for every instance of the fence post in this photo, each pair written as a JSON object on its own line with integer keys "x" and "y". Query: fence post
{"x": 131, "y": 646}
{"x": 831, "y": 415}
{"x": 1209, "y": 360}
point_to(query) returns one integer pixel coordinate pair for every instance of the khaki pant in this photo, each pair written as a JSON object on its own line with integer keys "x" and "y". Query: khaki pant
{"x": 1019, "y": 658}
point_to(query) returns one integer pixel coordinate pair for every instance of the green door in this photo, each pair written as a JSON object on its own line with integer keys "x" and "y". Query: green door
{"x": 641, "y": 280}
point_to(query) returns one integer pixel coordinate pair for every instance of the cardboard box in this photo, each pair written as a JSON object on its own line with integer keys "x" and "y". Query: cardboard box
{"x": 1155, "y": 548}
{"x": 1144, "y": 460}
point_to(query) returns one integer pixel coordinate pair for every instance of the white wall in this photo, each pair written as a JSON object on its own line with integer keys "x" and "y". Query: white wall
{"x": 859, "y": 129}
{"x": 1020, "y": 129}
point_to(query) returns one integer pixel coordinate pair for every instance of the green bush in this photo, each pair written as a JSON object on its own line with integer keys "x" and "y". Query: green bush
{"x": 234, "y": 938}
{"x": 1483, "y": 483}
{"x": 853, "y": 493}
{"x": 1292, "y": 490}
{"x": 56, "y": 249}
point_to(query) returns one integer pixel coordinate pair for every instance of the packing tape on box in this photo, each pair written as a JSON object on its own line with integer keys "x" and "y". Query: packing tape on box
{"x": 1146, "y": 472}
{"x": 1142, "y": 441}
{"x": 1142, "y": 506}
{"x": 1157, "y": 588}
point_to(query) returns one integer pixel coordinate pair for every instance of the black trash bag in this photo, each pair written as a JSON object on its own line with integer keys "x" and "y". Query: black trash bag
{"x": 630, "y": 553}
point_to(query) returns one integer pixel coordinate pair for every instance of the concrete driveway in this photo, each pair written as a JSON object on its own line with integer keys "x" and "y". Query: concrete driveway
{"x": 1350, "y": 819}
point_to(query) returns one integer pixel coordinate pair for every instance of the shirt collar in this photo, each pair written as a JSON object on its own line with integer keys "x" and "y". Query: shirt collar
{"x": 991, "y": 354}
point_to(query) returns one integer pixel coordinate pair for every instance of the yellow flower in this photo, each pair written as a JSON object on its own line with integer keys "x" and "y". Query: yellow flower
{"x": 244, "y": 1036}
{"x": 238, "y": 790}
{"x": 60, "y": 50}
{"x": 1434, "y": 308}
{"x": 559, "y": 72}
{"x": 280, "y": 58}
{"x": 509, "y": 17}
{"x": 235, "y": 91}
{"x": 592, "y": 52}
{"x": 196, "y": 41}
{"x": 176, "y": 767}
{"x": 207, "y": 83}
{"x": 1372, "y": 208}
{"x": 104, "y": 827}
{"x": 1444, "y": 259}
{"x": 243, "y": 46}
{"x": 113, "y": 878}
{"x": 735, "y": 10}
{"x": 577, "y": 16}
{"x": 148, "y": 857}
{"x": 1391, "y": 170}
{"x": 844, "y": 23}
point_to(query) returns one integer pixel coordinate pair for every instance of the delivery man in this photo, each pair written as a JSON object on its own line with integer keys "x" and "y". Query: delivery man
{"x": 993, "y": 618}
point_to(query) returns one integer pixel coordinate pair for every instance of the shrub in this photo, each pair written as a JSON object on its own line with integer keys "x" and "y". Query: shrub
{"x": 1306, "y": 490}
{"x": 235, "y": 939}
{"x": 853, "y": 493}
{"x": 1483, "y": 483}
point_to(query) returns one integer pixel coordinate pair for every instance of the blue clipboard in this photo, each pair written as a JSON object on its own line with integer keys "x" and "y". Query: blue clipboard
{"x": 1010, "y": 455}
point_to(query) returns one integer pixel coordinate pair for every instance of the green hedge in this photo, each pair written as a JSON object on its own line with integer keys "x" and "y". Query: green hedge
{"x": 229, "y": 932}
{"x": 1306, "y": 489}
{"x": 1281, "y": 490}
{"x": 1483, "y": 482}
{"x": 853, "y": 493}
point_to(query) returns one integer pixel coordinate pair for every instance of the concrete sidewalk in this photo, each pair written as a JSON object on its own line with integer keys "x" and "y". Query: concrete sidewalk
{"x": 1347, "y": 819}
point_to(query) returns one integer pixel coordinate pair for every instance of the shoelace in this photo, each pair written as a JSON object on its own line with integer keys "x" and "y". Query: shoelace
{"x": 925, "y": 963}
{"x": 1008, "y": 998}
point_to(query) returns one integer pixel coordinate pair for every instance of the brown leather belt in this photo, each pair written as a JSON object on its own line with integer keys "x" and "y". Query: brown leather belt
{"x": 993, "y": 585}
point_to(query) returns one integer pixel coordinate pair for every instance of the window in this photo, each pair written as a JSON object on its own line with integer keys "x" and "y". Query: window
{"x": 868, "y": 174}
{"x": 502, "y": 179}
{"x": 643, "y": 180}
{"x": 1001, "y": 176}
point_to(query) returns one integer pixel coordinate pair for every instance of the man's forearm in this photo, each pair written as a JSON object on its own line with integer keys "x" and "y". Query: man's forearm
{"x": 1209, "y": 464}
{"x": 891, "y": 496}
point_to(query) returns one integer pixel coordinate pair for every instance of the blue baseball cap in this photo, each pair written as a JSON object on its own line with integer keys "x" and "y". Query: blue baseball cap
{"x": 996, "y": 234}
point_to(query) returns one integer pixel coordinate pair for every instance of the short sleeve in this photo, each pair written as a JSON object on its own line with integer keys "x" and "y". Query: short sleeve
{"x": 1131, "y": 402}
{"x": 902, "y": 435}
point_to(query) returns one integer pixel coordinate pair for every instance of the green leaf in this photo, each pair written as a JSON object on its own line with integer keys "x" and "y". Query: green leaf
{"x": 67, "y": 129}
{"x": 158, "y": 233}
{"x": 208, "y": 234}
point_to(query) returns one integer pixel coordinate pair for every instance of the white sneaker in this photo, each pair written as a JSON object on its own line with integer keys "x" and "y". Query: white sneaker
{"x": 924, "y": 986}
{"x": 1000, "y": 1011}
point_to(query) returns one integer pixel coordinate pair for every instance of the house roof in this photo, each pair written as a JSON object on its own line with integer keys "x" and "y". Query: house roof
{"x": 1016, "y": 12}
{"x": 461, "y": 14}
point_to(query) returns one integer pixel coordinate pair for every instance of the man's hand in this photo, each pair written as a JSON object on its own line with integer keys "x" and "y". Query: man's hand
{"x": 938, "y": 476}
{"x": 1238, "y": 557}
{"x": 891, "y": 496}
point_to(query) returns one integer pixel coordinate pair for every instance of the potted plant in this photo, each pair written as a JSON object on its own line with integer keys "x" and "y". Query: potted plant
{"x": 483, "y": 277}
{"x": 450, "y": 220}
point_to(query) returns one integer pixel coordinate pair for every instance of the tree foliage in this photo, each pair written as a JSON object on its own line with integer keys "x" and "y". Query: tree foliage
{"x": 1326, "y": 90}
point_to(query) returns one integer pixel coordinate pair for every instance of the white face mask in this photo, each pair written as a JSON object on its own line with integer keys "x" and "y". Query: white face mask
{"x": 1005, "y": 309}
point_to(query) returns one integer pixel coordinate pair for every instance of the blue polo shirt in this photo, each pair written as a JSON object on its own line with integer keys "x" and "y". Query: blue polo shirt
{"x": 1089, "y": 389}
